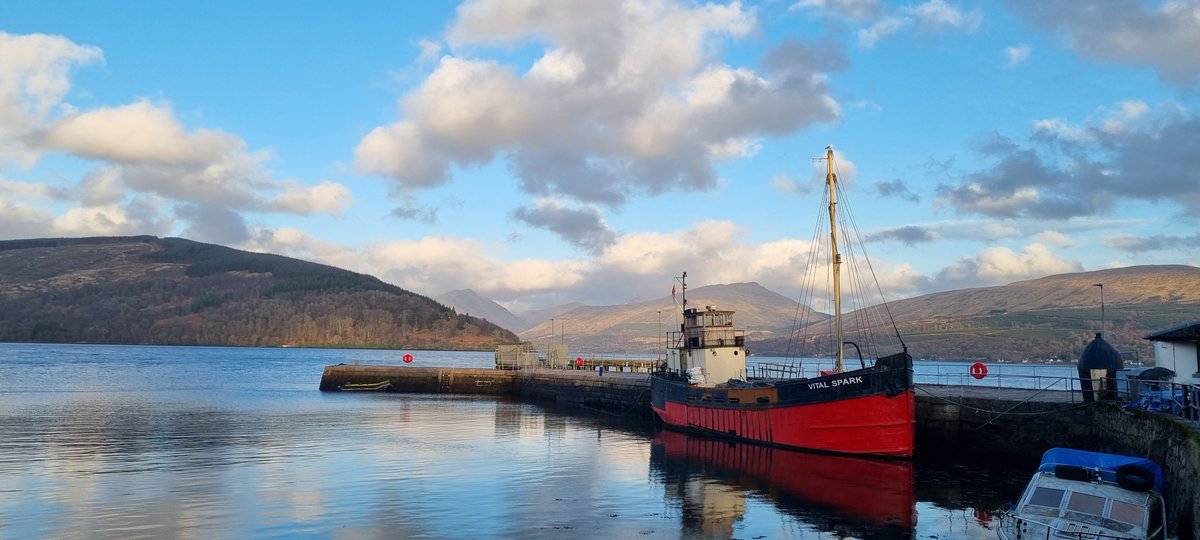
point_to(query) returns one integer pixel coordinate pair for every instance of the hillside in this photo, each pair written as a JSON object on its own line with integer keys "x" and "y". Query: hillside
{"x": 1047, "y": 318}
{"x": 1052, "y": 317}
{"x": 152, "y": 290}
{"x": 636, "y": 327}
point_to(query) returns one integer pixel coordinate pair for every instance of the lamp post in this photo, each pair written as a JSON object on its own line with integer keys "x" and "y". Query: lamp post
{"x": 1101, "y": 285}
{"x": 551, "y": 330}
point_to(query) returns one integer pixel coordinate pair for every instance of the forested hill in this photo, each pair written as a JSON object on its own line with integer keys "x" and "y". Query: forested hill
{"x": 150, "y": 290}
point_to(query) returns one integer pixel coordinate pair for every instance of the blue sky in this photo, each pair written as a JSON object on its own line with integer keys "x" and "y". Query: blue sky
{"x": 545, "y": 152}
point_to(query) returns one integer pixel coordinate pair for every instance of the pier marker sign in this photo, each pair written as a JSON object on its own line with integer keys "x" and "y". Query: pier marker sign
{"x": 978, "y": 370}
{"x": 408, "y": 359}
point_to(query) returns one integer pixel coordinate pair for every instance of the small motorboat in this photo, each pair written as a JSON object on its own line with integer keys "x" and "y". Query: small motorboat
{"x": 1076, "y": 494}
{"x": 381, "y": 386}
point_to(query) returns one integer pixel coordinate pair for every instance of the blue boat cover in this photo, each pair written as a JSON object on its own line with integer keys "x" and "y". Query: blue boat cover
{"x": 1107, "y": 464}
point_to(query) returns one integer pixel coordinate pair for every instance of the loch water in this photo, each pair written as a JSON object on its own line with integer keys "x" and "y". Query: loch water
{"x": 100, "y": 441}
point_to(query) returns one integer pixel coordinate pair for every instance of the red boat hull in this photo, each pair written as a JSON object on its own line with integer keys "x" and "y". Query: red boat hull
{"x": 868, "y": 412}
{"x": 871, "y": 425}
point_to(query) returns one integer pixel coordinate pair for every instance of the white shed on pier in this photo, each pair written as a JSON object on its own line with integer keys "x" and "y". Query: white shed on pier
{"x": 1178, "y": 349}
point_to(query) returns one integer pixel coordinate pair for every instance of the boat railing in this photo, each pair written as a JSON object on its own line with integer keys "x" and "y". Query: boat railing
{"x": 773, "y": 370}
{"x": 1014, "y": 526}
{"x": 700, "y": 337}
{"x": 1181, "y": 400}
{"x": 998, "y": 379}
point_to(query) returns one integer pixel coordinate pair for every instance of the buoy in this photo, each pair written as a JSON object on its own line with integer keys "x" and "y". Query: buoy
{"x": 579, "y": 362}
{"x": 408, "y": 359}
{"x": 978, "y": 370}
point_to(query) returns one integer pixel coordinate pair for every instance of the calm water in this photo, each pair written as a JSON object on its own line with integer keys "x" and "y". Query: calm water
{"x": 206, "y": 442}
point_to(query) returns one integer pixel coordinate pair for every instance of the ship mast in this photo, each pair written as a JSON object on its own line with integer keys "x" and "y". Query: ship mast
{"x": 683, "y": 286}
{"x": 835, "y": 257}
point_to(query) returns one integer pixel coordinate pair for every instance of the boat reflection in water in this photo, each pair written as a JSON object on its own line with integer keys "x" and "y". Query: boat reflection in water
{"x": 865, "y": 498}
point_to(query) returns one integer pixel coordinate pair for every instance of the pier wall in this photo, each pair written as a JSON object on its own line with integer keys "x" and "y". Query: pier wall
{"x": 1011, "y": 424}
{"x": 422, "y": 379}
{"x": 990, "y": 426}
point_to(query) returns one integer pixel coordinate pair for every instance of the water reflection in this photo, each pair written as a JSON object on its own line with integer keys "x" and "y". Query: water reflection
{"x": 714, "y": 479}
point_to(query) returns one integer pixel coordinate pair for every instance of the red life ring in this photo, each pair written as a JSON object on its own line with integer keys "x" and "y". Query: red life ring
{"x": 408, "y": 359}
{"x": 978, "y": 370}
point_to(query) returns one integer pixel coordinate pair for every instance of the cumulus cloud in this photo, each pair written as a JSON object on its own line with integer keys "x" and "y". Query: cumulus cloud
{"x": 583, "y": 227}
{"x": 627, "y": 98}
{"x": 324, "y": 198}
{"x": 897, "y": 189}
{"x": 1159, "y": 242}
{"x": 144, "y": 157}
{"x": 1160, "y": 35}
{"x": 1000, "y": 265}
{"x": 138, "y": 132}
{"x": 1128, "y": 152}
{"x": 34, "y": 79}
{"x": 909, "y": 235}
{"x": 1054, "y": 239}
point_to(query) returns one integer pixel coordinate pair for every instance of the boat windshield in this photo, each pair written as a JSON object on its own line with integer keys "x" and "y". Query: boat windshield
{"x": 1086, "y": 503}
{"x": 1048, "y": 497}
{"x": 1128, "y": 513}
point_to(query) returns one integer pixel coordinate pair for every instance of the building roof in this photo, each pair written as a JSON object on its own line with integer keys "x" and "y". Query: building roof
{"x": 1184, "y": 332}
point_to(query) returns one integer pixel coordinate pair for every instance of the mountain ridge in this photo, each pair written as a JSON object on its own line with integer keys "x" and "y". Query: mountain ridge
{"x": 1051, "y": 317}
{"x": 149, "y": 290}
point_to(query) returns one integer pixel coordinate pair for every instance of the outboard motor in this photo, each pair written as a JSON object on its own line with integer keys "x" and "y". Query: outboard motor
{"x": 1098, "y": 367}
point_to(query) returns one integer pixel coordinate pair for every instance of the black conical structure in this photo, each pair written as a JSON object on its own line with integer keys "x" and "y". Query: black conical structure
{"x": 1099, "y": 355}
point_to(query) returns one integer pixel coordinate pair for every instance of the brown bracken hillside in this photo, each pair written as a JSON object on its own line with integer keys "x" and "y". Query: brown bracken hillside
{"x": 148, "y": 290}
{"x": 1050, "y": 318}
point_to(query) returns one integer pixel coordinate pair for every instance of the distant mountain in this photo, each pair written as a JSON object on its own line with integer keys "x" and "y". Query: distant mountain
{"x": 468, "y": 302}
{"x": 1052, "y": 317}
{"x": 537, "y": 316}
{"x": 174, "y": 291}
{"x": 641, "y": 326}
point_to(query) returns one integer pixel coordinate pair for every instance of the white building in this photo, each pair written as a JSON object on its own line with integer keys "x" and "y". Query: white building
{"x": 1178, "y": 349}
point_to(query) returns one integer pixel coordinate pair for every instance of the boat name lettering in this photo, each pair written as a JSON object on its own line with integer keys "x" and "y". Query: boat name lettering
{"x": 835, "y": 382}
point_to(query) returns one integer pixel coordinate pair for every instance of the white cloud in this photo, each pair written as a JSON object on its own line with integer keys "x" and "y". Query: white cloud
{"x": 938, "y": 14}
{"x": 929, "y": 17}
{"x": 24, "y": 190}
{"x": 23, "y": 221}
{"x": 108, "y": 220}
{"x": 34, "y": 80}
{"x": 1155, "y": 34}
{"x": 880, "y": 29}
{"x": 138, "y": 132}
{"x": 1000, "y": 265}
{"x": 1016, "y": 54}
{"x": 627, "y": 98}
{"x": 324, "y": 198}
{"x": 144, "y": 156}
{"x": 1053, "y": 238}
{"x": 854, "y": 10}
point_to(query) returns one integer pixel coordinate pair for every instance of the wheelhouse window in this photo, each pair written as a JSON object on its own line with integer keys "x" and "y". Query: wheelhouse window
{"x": 1048, "y": 497}
{"x": 1086, "y": 503}
{"x": 1127, "y": 513}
